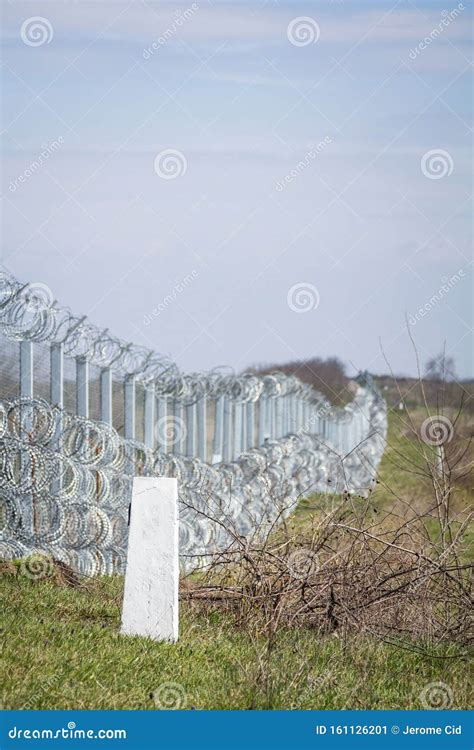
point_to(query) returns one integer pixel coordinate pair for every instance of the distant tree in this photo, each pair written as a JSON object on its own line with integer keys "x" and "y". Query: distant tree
{"x": 440, "y": 367}
{"x": 325, "y": 375}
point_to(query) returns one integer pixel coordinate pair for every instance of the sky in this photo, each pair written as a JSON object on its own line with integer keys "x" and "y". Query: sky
{"x": 232, "y": 183}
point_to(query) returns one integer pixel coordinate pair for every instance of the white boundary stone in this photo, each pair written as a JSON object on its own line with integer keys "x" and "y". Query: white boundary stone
{"x": 150, "y": 602}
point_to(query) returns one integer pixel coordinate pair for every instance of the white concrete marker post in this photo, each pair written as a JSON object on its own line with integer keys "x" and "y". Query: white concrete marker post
{"x": 150, "y": 602}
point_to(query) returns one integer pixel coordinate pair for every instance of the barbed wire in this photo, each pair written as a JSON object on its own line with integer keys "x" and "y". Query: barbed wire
{"x": 67, "y": 484}
{"x": 28, "y": 312}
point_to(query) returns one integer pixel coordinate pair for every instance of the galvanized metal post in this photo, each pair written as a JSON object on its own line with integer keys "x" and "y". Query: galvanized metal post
{"x": 227, "y": 445}
{"x": 238, "y": 424}
{"x": 106, "y": 413}
{"x": 250, "y": 424}
{"x": 82, "y": 387}
{"x": 162, "y": 424}
{"x": 261, "y": 420}
{"x": 300, "y": 415}
{"x": 191, "y": 430}
{"x": 278, "y": 431}
{"x": 57, "y": 375}
{"x": 26, "y": 369}
{"x": 27, "y": 502}
{"x": 305, "y": 416}
{"x": 272, "y": 415}
{"x": 179, "y": 429}
{"x": 218, "y": 442}
{"x": 57, "y": 398}
{"x": 149, "y": 416}
{"x": 130, "y": 407}
{"x": 202, "y": 427}
{"x": 293, "y": 416}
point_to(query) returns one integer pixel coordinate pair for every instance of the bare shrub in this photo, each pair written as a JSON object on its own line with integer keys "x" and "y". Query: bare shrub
{"x": 400, "y": 573}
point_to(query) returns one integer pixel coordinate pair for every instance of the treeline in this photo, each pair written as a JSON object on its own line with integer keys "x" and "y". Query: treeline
{"x": 325, "y": 375}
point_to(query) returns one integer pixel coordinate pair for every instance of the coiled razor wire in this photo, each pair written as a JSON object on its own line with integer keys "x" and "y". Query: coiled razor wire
{"x": 66, "y": 480}
{"x": 68, "y": 494}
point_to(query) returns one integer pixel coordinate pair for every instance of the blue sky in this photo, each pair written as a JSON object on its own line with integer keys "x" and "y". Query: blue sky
{"x": 360, "y": 222}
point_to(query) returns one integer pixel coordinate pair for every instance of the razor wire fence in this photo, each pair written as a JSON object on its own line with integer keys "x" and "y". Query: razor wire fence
{"x": 82, "y": 412}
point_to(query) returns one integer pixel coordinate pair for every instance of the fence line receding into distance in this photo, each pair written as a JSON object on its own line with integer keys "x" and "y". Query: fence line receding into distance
{"x": 82, "y": 412}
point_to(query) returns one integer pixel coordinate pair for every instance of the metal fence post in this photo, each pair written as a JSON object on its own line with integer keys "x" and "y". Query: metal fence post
{"x": 162, "y": 424}
{"x": 57, "y": 397}
{"x": 26, "y": 369}
{"x": 300, "y": 415}
{"x": 191, "y": 430}
{"x": 227, "y": 443}
{"x": 278, "y": 417}
{"x": 238, "y": 425}
{"x": 26, "y": 421}
{"x": 57, "y": 375}
{"x": 202, "y": 427}
{"x": 149, "y": 416}
{"x": 130, "y": 407}
{"x": 218, "y": 442}
{"x": 178, "y": 428}
{"x": 106, "y": 414}
{"x": 250, "y": 424}
{"x": 82, "y": 387}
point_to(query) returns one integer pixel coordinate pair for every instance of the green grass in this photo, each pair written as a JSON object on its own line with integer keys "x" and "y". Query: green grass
{"x": 62, "y": 647}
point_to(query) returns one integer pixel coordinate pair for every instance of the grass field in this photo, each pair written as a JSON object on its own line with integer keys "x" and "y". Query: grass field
{"x": 61, "y": 647}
